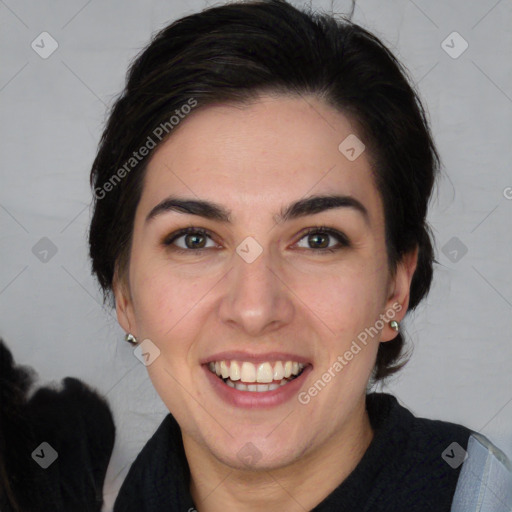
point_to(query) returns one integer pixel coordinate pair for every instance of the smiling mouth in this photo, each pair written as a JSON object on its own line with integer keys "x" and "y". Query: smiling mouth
{"x": 246, "y": 376}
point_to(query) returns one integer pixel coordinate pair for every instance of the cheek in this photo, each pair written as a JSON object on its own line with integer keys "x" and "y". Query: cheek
{"x": 167, "y": 303}
{"x": 163, "y": 308}
{"x": 159, "y": 303}
{"x": 347, "y": 296}
{"x": 156, "y": 298}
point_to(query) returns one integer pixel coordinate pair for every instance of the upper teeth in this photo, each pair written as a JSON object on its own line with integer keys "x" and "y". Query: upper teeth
{"x": 248, "y": 372}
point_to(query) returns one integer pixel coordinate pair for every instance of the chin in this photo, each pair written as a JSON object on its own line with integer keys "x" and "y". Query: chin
{"x": 252, "y": 456}
{"x": 257, "y": 449}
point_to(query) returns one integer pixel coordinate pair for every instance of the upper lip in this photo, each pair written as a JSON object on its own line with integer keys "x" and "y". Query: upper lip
{"x": 237, "y": 355}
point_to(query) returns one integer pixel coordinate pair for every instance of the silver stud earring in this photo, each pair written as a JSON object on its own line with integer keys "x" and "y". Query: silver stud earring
{"x": 130, "y": 338}
{"x": 394, "y": 325}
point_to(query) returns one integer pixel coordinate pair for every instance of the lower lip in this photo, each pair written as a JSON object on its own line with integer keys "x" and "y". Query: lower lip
{"x": 255, "y": 399}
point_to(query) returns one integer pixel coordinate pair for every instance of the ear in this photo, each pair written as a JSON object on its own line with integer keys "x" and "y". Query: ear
{"x": 124, "y": 304}
{"x": 400, "y": 289}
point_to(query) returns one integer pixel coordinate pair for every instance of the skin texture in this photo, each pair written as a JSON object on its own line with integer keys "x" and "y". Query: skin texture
{"x": 254, "y": 159}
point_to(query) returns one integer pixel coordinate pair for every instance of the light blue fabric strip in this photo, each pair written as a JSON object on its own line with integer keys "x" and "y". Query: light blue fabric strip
{"x": 485, "y": 481}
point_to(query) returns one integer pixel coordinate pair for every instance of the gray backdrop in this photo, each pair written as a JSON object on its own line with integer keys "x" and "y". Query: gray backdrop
{"x": 53, "y": 106}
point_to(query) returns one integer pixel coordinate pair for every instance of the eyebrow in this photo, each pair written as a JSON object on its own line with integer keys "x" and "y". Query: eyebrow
{"x": 301, "y": 208}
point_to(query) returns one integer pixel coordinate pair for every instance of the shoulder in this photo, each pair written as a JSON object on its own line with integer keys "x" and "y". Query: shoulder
{"x": 485, "y": 481}
{"x": 151, "y": 455}
{"x": 151, "y": 473}
{"x": 451, "y": 466}
{"x": 428, "y": 464}
{"x": 421, "y": 439}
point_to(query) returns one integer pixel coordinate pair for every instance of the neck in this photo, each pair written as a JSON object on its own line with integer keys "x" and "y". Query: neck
{"x": 300, "y": 486}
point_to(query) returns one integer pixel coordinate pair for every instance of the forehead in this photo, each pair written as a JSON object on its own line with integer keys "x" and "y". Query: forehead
{"x": 260, "y": 155}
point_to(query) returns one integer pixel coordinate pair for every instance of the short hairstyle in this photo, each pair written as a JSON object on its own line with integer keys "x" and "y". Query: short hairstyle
{"x": 233, "y": 53}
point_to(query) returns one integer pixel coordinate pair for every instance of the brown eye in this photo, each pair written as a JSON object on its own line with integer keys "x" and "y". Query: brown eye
{"x": 318, "y": 238}
{"x": 194, "y": 240}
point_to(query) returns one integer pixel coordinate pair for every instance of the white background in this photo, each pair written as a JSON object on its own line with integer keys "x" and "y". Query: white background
{"x": 52, "y": 116}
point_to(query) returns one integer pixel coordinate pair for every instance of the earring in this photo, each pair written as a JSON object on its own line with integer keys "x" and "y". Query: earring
{"x": 394, "y": 325}
{"x": 130, "y": 338}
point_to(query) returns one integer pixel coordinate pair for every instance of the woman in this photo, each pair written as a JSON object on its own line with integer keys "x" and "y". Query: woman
{"x": 261, "y": 192}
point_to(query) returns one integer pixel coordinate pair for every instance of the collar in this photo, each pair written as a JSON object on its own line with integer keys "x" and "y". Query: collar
{"x": 402, "y": 464}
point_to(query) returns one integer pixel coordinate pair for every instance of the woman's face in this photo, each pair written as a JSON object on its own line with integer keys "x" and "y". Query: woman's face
{"x": 262, "y": 291}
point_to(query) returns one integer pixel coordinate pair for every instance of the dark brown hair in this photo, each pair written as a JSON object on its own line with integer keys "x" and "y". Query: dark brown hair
{"x": 234, "y": 52}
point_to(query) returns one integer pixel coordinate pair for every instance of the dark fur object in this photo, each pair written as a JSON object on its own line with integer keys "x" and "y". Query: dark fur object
{"x": 75, "y": 421}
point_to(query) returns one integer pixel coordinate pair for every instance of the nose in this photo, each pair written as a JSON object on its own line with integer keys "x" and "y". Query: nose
{"x": 257, "y": 300}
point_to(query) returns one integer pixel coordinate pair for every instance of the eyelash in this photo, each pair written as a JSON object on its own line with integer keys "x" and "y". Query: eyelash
{"x": 324, "y": 230}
